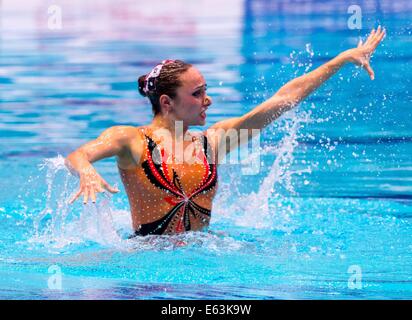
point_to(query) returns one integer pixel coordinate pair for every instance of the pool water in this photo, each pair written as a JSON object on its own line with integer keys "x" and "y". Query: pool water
{"x": 326, "y": 215}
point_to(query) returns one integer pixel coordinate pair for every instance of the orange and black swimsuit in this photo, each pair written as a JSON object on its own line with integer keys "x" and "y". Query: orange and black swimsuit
{"x": 170, "y": 198}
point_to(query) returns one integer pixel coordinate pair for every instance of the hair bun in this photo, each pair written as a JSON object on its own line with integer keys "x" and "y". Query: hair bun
{"x": 141, "y": 84}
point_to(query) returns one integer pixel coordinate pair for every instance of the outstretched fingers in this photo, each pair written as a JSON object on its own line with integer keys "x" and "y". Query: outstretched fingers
{"x": 86, "y": 195}
{"x": 109, "y": 187}
{"x": 375, "y": 37}
{"x": 378, "y": 38}
{"x": 93, "y": 194}
{"x": 369, "y": 70}
{"x": 73, "y": 199}
{"x": 369, "y": 39}
{"x": 99, "y": 189}
{"x": 90, "y": 191}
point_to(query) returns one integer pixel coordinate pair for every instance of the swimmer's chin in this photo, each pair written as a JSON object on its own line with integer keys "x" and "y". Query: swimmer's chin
{"x": 202, "y": 122}
{"x": 198, "y": 123}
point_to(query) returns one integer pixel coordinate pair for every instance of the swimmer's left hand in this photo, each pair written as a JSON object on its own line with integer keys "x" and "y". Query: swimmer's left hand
{"x": 361, "y": 55}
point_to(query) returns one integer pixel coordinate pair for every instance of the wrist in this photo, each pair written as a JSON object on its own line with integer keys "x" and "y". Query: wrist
{"x": 86, "y": 170}
{"x": 345, "y": 57}
{"x": 336, "y": 63}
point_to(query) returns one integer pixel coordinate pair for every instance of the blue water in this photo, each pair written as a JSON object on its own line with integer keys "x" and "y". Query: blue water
{"x": 334, "y": 187}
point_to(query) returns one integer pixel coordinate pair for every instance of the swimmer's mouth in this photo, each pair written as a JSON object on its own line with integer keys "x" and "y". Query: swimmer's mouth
{"x": 203, "y": 114}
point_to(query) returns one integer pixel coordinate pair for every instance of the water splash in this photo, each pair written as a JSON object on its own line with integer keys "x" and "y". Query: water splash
{"x": 302, "y": 61}
{"x": 211, "y": 241}
{"x": 57, "y": 211}
{"x": 63, "y": 228}
{"x": 257, "y": 209}
{"x": 309, "y": 49}
{"x": 60, "y": 225}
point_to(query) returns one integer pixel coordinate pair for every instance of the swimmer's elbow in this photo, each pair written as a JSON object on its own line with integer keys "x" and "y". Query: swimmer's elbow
{"x": 68, "y": 163}
{"x": 75, "y": 161}
{"x": 285, "y": 102}
{"x": 271, "y": 109}
{"x": 74, "y": 155}
{"x": 68, "y": 160}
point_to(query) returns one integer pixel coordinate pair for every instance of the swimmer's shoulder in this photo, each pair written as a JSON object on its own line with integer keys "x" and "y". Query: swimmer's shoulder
{"x": 123, "y": 134}
{"x": 127, "y": 133}
{"x": 133, "y": 139}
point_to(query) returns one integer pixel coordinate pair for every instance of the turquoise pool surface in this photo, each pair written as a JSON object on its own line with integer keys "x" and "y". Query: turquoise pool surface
{"x": 327, "y": 214}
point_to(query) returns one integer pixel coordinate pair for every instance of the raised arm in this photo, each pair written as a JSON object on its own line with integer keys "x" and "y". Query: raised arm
{"x": 298, "y": 89}
{"x": 114, "y": 141}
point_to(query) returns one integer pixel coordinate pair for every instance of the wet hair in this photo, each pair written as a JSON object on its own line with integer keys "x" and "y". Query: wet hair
{"x": 163, "y": 79}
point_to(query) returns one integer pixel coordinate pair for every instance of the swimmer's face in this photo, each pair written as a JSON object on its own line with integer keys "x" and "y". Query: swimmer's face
{"x": 191, "y": 102}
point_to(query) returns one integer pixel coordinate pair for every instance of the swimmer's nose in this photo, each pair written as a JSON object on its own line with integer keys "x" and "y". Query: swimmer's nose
{"x": 208, "y": 101}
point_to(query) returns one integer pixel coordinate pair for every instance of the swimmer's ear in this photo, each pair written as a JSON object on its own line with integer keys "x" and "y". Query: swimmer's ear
{"x": 166, "y": 103}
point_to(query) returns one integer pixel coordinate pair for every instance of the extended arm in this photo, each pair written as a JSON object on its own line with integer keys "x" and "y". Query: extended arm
{"x": 298, "y": 89}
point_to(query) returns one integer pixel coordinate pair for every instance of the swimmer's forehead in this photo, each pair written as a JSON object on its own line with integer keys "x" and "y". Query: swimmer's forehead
{"x": 193, "y": 79}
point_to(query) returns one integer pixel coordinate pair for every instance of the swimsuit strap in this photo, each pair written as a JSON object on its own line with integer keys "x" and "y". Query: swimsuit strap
{"x": 207, "y": 149}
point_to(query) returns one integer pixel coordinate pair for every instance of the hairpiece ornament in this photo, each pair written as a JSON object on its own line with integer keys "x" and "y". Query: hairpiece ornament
{"x": 150, "y": 78}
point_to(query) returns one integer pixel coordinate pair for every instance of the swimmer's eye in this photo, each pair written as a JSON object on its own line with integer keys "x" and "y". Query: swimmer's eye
{"x": 198, "y": 92}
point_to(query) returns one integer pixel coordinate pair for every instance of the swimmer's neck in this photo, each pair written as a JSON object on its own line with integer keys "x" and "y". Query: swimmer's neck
{"x": 170, "y": 124}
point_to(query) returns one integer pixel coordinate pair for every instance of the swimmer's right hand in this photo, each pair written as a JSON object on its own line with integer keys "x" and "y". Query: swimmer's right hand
{"x": 91, "y": 183}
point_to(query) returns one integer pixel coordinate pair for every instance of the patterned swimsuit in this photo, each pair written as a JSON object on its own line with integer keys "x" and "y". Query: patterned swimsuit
{"x": 184, "y": 201}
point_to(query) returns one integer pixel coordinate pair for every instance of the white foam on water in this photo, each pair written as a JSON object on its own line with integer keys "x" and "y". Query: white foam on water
{"x": 255, "y": 209}
{"x": 60, "y": 225}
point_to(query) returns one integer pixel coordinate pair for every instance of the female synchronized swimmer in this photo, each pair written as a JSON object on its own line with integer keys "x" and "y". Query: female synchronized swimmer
{"x": 170, "y": 175}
